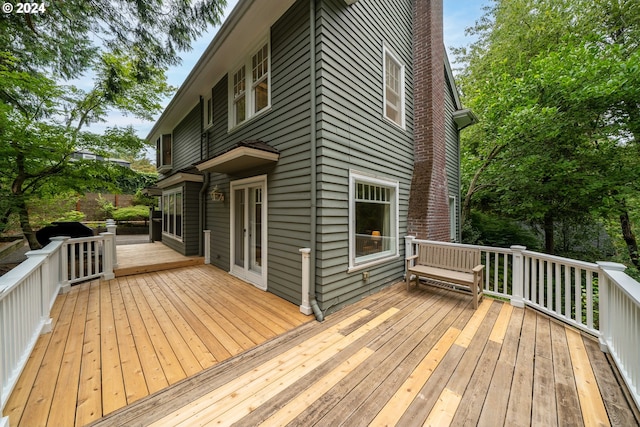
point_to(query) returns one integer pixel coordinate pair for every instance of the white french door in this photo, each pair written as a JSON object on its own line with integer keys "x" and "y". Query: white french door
{"x": 249, "y": 230}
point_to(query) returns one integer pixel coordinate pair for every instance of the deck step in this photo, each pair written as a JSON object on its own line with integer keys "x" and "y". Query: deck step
{"x": 149, "y": 268}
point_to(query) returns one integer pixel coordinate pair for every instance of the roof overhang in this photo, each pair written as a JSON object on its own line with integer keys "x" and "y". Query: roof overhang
{"x": 152, "y": 191}
{"x": 179, "y": 178}
{"x": 239, "y": 159}
{"x": 249, "y": 20}
{"x": 464, "y": 118}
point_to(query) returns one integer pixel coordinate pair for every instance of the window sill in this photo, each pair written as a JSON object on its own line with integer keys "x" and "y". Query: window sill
{"x": 172, "y": 237}
{"x": 373, "y": 263}
{"x": 239, "y": 126}
{"x": 164, "y": 168}
{"x": 395, "y": 124}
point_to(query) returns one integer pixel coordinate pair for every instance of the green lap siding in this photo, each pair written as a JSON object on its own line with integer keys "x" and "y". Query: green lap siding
{"x": 353, "y": 135}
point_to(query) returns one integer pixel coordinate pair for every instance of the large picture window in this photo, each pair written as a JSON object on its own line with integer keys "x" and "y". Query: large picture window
{"x": 393, "y": 93}
{"x": 172, "y": 213}
{"x": 250, "y": 87}
{"x": 373, "y": 219}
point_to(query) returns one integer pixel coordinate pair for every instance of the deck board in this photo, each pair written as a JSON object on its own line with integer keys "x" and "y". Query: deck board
{"x": 114, "y": 343}
{"x": 433, "y": 360}
{"x": 394, "y": 358}
{"x": 149, "y": 257}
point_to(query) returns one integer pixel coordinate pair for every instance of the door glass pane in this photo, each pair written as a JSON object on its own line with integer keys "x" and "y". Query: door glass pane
{"x": 255, "y": 227}
{"x": 239, "y": 228}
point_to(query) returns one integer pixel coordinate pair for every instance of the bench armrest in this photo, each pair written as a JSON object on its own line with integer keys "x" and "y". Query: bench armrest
{"x": 478, "y": 268}
{"x": 409, "y": 261}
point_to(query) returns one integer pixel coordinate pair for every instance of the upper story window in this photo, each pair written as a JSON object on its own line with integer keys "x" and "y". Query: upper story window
{"x": 393, "y": 94}
{"x": 250, "y": 86}
{"x": 163, "y": 153}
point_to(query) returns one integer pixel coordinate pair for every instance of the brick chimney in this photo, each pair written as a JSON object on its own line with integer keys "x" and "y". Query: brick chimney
{"x": 428, "y": 216}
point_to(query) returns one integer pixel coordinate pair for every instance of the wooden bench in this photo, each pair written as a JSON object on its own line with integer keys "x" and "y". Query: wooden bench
{"x": 450, "y": 267}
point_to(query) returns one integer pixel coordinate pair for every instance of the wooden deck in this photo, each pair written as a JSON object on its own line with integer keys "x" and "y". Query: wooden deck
{"x": 195, "y": 346}
{"x": 150, "y": 257}
{"x": 422, "y": 358}
{"x": 115, "y": 342}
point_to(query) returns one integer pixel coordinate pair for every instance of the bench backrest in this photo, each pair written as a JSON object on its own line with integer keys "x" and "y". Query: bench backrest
{"x": 449, "y": 257}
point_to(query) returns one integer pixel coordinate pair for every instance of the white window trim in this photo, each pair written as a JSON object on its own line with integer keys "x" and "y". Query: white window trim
{"x": 403, "y": 108}
{"x": 167, "y": 233}
{"x": 207, "y": 112}
{"x": 394, "y": 253}
{"x": 161, "y": 167}
{"x": 453, "y": 216}
{"x": 250, "y": 114}
{"x": 251, "y": 277}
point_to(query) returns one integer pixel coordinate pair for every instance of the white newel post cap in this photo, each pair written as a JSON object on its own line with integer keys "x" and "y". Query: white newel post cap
{"x": 612, "y": 266}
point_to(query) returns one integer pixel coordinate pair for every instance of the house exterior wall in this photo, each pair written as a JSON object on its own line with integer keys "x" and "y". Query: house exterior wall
{"x": 452, "y": 154}
{"x": 286, "y": 128}
{"x": 186, "y": 140}
{"x": 353, "y": 135}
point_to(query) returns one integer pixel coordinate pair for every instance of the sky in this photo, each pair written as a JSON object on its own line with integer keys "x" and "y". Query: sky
{"x": 458, "y": 15}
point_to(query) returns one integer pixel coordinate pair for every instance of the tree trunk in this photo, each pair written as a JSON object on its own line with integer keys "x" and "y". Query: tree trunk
{"x": 28, "y": 232}
{"x": 548, "y": 233}
{"x": 630, "y": 239}
{"x": 473, "y": 185}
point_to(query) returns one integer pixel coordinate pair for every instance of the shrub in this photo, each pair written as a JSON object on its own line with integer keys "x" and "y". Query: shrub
{"x": 131, "y": 213}
{"x": 76, "y": 216}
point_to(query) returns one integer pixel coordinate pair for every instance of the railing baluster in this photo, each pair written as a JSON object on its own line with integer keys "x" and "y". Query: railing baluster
{"x": 589, "y": 299}
{"x": 549, "y": 278}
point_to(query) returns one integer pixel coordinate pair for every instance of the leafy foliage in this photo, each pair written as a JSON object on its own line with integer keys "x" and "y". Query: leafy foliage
{"x": 556, "y": 86}
{"x": 46, "y": 102}
{"x": 131, "y": 213}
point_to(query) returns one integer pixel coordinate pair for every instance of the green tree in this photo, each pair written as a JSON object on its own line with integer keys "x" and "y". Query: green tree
{"x": 555, "y": 84}
{"x": 125, "y": 45}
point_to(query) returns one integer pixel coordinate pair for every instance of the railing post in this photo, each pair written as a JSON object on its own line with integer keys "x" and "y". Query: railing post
{"x": 45, "y": 289}
{"x": 305, "y": 307}
{"x": 408, "y": 250}
{"x": 207, "y": 246}
{"x": 111, "y": 228}
{"x": 603, "y": 301}
{"x": 517, "y": 281}
{"x": 109, "y": 244}
{"x": 63, "y": 279}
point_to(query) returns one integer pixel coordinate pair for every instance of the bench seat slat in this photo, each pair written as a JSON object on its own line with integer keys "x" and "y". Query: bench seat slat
{"x": 442, "y": 274}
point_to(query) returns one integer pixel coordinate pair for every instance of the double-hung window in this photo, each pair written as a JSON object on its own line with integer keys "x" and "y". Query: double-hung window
{"x": 172, "y": 213}
{"x": 250, "y": 86}
{"x": 393, "y": 94}
{"x": 373, "y": 219}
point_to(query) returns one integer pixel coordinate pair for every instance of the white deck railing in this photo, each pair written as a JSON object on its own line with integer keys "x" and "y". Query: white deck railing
{"x": 597, "y": 298}
{"x": 28, "y": 292}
